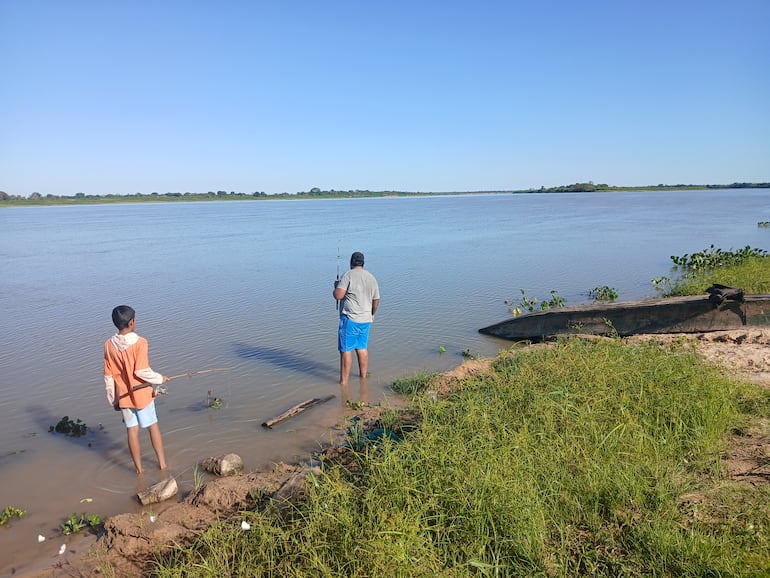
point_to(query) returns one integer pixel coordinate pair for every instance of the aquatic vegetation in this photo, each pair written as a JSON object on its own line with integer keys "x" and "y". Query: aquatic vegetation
{"x": 603, "y": 294}
{"x": 748, "y": 269}
{"x": 213, "y": 402}
{"x": 531, "y": 304}
{"x": 9, "y": 513}
{"x": 77, "y": 522}
{"x": 68, "y": 427}
{"x": 713, "y": 257}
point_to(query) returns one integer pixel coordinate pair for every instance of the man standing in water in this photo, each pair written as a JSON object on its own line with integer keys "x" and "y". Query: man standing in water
{"x": 359, "y": 297}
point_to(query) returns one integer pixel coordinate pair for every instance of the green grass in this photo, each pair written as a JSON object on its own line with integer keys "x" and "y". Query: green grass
{"x": 752, "y": 275}
{"x": 573, "y": 460}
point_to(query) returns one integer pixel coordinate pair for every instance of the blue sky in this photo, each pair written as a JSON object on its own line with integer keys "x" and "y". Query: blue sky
{"x": 162, "y": 96}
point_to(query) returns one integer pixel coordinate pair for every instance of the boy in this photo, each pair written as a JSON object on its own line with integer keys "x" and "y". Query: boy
{"x": 127, "y": 379}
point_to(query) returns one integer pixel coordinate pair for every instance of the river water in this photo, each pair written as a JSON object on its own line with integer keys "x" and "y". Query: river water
{"x": 246, "y": 286}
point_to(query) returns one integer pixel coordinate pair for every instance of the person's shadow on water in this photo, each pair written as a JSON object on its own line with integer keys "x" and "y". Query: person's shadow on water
{"x": 285, "y": 359}
{"x": 97, "y": 436}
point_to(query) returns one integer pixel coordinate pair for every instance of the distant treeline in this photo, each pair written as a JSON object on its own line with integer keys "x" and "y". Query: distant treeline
{"x": 316, "y": 193}
{"x": 590, "y": 187}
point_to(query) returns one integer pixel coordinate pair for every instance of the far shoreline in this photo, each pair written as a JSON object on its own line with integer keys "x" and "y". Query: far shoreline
{"x": 38, "y": 199}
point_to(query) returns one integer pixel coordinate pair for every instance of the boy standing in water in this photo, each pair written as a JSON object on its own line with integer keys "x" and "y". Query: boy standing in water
{"x": 127, "y": 379}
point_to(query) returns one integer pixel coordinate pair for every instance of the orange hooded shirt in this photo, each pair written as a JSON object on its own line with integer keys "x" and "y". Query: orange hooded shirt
{"x": 126, "y": 365}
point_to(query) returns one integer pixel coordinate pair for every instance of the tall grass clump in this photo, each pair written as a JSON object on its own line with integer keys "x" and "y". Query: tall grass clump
{"x": 568, "y": 460}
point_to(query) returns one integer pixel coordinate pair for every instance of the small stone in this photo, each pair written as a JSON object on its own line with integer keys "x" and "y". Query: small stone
{"x": 224, "y": 465}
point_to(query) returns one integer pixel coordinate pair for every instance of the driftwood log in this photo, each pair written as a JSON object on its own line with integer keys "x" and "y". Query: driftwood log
{"x": 296, "y": 410}
{"x": 159, "y": 492}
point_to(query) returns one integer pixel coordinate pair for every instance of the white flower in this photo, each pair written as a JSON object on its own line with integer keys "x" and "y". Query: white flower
{"x": 62, "y": 549}
{"x": 40, "y": 538}
{"x": 245, "y": 525}
{"x": 153, "y": 517}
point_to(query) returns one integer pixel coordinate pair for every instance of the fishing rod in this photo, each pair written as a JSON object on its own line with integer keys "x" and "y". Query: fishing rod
{"x": 192, "y": 373}
{"x": 161, "y": 390}
{"x": 337, "y": 282}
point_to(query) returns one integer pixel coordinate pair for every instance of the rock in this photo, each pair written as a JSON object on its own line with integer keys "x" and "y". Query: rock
{"x": 225, "y": 465}
{"x": 158, "y": 492}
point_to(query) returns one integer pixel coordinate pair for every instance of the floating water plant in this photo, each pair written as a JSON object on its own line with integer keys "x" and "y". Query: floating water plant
{"x": 9, "y": 513}
{"x": 715, "y": 257}
{"x": 68, "y": 427}
{"x": 213, "y": 402}
{"x": 531, "y": 304}
{"x": 603, "y": 294}
{"x": 77, "y": 522}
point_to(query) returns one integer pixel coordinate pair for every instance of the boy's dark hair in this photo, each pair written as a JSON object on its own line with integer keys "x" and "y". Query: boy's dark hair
{"x": 122, "y": 316}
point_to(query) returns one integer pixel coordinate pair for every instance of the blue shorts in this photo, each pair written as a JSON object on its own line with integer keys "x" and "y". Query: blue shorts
{"x": 352, "y": 335}
{"x": 144, "y": 417}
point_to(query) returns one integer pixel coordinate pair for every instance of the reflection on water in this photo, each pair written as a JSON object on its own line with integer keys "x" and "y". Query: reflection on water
{"x": 247, "y": 286}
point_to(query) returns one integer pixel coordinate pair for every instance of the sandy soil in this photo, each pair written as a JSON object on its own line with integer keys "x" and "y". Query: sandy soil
{"x": 130, "y": 539}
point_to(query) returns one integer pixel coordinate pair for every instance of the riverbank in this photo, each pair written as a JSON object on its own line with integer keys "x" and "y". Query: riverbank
{"x": 131, "y": 539}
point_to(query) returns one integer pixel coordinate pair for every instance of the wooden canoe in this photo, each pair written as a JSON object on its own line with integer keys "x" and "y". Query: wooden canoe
{"x": 692, "y": 314}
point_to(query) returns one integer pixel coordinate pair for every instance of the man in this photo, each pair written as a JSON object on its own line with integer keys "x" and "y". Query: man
{"x": 359, "y": 297}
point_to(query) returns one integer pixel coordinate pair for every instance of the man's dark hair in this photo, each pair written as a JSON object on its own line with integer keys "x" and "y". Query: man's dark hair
{"x": 357, "y": 259}
{"x": 122, "y": 316}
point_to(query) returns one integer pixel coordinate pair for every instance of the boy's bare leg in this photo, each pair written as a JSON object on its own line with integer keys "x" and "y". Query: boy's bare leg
{"x": 346, "y": 362}
{"x": 157, "y": 444}
{"x": 363, "y": 361}
{"x": 134, "y": 448}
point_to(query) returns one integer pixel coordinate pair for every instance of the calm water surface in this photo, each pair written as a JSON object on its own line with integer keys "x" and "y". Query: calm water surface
{"x": 247, "y": 286}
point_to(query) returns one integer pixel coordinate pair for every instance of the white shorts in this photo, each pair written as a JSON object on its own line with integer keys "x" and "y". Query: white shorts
{"x": 144, "y": 417}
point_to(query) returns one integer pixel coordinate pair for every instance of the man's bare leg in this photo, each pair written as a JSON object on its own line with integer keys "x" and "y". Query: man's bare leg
{"x": 363, "y": 362}
{"x": 346, "y": 362}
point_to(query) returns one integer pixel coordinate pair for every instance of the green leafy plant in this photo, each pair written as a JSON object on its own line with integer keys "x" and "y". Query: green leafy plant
{"x": 441, "y": 349}
{"x": 10, "y": 512}
{"x": 530, "y": 304}
{"x": 746, "y": 268}
{"x": 68, "y": 427}
{"x": 713, "y": 257}
{"x": 76, "y": 522}
{"x": 213, "y": 402}
{"x": 603, "y": 294}
{"x": 663, "y": 285}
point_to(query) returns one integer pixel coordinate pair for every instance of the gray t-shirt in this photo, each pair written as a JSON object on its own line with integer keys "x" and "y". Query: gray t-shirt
{"x": 361, "y": 289}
